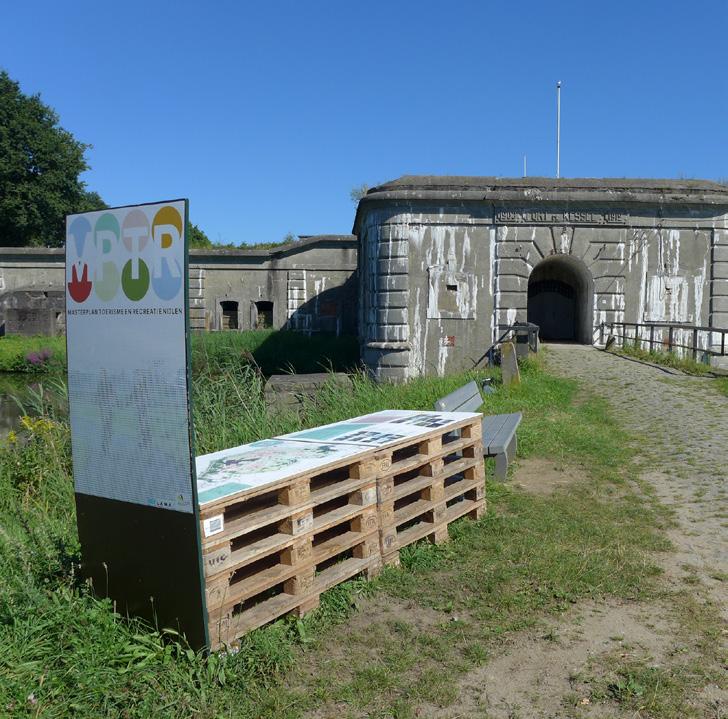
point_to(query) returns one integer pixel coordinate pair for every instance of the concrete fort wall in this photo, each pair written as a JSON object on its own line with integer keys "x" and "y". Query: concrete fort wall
{"x": 307, "y": 286}
{"x": 446, "y": 263}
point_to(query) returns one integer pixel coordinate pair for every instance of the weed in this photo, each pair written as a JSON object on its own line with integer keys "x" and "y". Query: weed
{"x": 668, "y": 359}
{"x": 527, "y": 556}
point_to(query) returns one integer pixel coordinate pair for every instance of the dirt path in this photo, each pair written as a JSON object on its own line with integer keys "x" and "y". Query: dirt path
{"x": 552, "y": 672}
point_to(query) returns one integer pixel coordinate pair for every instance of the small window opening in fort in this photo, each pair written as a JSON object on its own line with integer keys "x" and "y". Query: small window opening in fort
{"x": 263, "y": 315}
{"x": 229, "y": 315}
{"x": 561, "y": 300}
{"x": 452, "y": 288}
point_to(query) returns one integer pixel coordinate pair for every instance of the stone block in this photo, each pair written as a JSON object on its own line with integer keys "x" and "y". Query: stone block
{"x": 512, "y": 283}
{"x": 390, "y": 333}
{"x": 509, "y": 365}
{"x": 393, "y": 266}
{"x": 386, "y": 358}
{"x": 719, "y": 288}
{"x": 385, "y": 300}
{"x": 395, "y": 248}
{"x": 513, "y": 267}
{"x": 512, "y": 300}
{"x": 391, "y": 316}
{"x": 290, "y": 392}
{"x": 392, "y": 283}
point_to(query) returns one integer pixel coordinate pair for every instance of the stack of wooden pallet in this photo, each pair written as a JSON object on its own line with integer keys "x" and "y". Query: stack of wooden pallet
{"x": 274, "y": 549}
{"x": 424, "y": 486}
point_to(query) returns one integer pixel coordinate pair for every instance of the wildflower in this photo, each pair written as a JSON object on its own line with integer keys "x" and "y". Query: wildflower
{"x": 12, "y": 437}
{"x": 34, "y": 358}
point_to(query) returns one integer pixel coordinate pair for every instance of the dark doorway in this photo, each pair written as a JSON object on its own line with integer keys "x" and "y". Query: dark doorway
{"x": 263, "y": 315}
{"x": 561, "y": 300}
{"x": 229, "y": 315}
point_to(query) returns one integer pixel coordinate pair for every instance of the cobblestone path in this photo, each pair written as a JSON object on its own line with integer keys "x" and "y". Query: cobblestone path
{"x": 682, "y": 423}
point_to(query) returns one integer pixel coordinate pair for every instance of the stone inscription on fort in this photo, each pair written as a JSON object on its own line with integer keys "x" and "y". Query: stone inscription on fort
{"x": 559, "y": 217}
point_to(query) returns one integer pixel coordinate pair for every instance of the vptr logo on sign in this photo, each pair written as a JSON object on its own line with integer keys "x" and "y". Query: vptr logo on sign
{"x": 124, "y": 254}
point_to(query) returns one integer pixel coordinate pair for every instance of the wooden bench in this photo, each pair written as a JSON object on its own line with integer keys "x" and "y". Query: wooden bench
{"x": 499, "y": 430}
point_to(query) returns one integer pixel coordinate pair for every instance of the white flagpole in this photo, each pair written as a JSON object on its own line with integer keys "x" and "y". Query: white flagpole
{"x": 558, "y": 129}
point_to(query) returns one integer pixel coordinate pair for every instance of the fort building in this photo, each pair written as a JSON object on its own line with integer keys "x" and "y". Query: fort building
{"x": 438, "y": 267}
{"x": 307, "y": 285}
{"x": 445, "y": 263}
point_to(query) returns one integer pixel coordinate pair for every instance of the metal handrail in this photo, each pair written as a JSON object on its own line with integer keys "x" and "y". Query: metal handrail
{"x": 532, "y": 330}
{"x": 671, "y": 344}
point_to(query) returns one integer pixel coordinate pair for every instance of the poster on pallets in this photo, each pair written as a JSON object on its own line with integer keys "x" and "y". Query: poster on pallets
{"x": 128, "y": 388}
{"x": 381, "y": 429}
{"x": 224, "y": 473}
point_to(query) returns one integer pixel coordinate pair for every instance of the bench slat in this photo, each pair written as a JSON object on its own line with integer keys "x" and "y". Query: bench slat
{"x": 499, "y": 430}
{"x": 461, "y": 400}
{"x": 491, "y": 426}
{"x": 502, "y": 439}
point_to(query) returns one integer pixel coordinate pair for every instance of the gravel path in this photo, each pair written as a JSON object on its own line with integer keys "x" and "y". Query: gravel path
{"x": 684, "y": 423}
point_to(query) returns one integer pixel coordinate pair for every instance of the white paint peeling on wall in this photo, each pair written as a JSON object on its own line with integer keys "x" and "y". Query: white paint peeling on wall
{"x": 418, "y": 347}
{"x": 465, "y": 261}
{"x": 671, "y": 256}
{"x": 564, "y": 242}
{"x": 442, "y": 351}
{"x": 698, "y": 285}
{"x": 643, "y": 282}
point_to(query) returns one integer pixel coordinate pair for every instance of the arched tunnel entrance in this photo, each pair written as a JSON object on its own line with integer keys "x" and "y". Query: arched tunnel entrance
{"x": 561, "y": 299}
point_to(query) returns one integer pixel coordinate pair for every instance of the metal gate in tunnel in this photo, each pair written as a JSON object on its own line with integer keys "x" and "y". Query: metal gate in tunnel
{"x": 561, "y": 299}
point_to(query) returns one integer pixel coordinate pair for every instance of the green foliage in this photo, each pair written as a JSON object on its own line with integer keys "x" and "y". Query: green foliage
{"x": 667, "y": 359}
{"x": 289, "y": 239}
{"x": 63, "y": 653}
{"x": 40, "y": 164}
{"x": 274, "y": 351}
{"x": 723, "y": 385}
{"x": 32, "y": 354}
{"x": 197, "y": 238}
{"x": 356, "y": 193}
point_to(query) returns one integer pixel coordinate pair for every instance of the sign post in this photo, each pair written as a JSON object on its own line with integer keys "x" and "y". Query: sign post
{"x": 127, "y": 323}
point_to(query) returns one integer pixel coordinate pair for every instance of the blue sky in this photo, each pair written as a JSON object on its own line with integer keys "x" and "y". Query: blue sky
{"x": 266, "y": 114}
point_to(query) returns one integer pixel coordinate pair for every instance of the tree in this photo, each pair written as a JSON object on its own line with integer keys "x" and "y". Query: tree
{"x": 197, "y": 238}
{"x": 40, "y": 164}
{"x": 356, "y": 193}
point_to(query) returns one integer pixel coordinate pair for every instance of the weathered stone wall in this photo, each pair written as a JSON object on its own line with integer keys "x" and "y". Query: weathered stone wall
{"x": 445, "y": 262}
{"x": 310, "y": 285}
{"x": 423, "y": 304}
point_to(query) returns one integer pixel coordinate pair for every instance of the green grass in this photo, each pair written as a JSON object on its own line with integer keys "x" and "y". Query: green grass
{"x": 63, "y": 653}
{"x": 273, "y": 351}
{"x": 667, "y": 359}
{"x": 46, "y": 353}
{"x": 631, "y": 679}
{"x": 723, "y": 385}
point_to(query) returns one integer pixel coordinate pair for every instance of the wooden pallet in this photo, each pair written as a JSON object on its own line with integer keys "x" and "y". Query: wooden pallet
{"x": 275, "y": 549}
{"x": 264, "y": 549}
{"x": 422, "y": 489}
{"x": 294, "y": 579}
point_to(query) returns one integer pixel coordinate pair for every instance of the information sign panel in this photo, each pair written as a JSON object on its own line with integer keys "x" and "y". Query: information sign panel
{"x": 128, "y": 388}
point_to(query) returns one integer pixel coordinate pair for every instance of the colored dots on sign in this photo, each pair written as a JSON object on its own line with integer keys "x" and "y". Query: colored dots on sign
{"x": 135, "y": 287}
